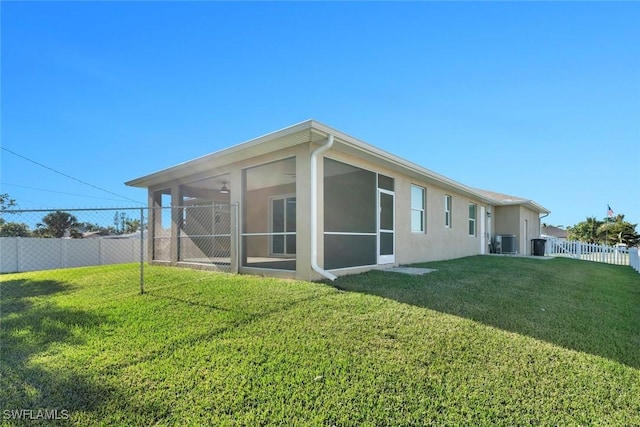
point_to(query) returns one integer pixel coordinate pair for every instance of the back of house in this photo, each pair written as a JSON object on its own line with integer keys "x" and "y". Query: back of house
{"x": 311, "y": 202}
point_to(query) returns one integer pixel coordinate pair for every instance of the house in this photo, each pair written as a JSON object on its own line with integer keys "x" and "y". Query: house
{"x": 553, "y": 231}
{"x": 311, "y": 202}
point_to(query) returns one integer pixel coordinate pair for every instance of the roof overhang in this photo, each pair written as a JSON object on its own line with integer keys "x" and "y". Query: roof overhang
{"x": 315, "y": 132}
{"x": 529, "y": 204}
{"x": 506, "y": 200}
{"x": 284, "y": 138}
{"x": 353, "y": 146}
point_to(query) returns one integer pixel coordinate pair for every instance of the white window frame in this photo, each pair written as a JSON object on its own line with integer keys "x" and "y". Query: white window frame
{"x": 473, "y": 220}
{"x": 448, "y": 202}
{"x": 421, "y": 210}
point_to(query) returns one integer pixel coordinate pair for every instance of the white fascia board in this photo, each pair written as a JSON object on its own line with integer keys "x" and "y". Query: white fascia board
{"x": 247, "y": 149}
{"x": 528, "y": 203}
{"x": 202, "y": 163}
{"x": 539, "y": 208}
{"x": 401, "y": 164}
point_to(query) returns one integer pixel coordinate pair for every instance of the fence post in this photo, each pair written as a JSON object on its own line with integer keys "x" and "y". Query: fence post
{"x": 234, "y": 238}
{"x": 61, "y": 252}
{"x": 18, "y": 254}
{"x": 634, "y": 259}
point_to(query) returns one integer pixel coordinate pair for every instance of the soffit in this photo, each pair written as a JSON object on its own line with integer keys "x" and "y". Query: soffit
{"x": 315, "y": 132}
{"x": 397, "y": 164}
{"x": 211, "y": 163}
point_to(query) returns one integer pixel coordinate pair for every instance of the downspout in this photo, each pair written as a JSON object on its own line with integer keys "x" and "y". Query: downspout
{"x": 540, "y": 223}
{"x": 314, "y": 208}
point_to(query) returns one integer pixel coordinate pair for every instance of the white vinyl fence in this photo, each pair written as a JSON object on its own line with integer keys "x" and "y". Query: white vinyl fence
{"x": 618, "y": 255}
{"x": 634, "y": 259}
{"x": 19, "y": 254}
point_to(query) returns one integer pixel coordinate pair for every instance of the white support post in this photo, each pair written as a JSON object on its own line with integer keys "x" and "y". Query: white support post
{"x": 634, "y": 259}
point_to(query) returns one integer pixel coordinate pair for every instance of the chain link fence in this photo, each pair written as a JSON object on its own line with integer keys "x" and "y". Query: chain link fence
{"x": 198, "y": 235}
{"x": 203, "y": 234}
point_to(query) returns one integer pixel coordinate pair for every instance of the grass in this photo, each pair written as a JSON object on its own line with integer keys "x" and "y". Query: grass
{"x": 482, "y": 341}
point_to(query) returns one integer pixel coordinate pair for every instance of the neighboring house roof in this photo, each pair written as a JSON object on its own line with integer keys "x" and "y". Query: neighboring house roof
{"x": 94, "y": 234}
{"x": 316, "y": 132}
{"x": 134, "y": 235}
{"x": 550, "y": 230}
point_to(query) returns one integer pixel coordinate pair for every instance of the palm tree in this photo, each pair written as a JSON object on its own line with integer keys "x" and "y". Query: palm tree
{"x": 585, "y": 231}
{"x": 56, "y": 224}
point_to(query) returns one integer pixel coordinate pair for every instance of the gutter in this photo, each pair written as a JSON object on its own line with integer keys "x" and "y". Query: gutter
{"x": 314, "y": 208}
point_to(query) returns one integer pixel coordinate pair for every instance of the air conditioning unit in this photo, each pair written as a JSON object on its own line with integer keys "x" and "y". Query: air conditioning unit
{"x": 508, "y": 243}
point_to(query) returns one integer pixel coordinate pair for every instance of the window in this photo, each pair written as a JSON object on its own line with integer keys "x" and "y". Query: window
{"x": 417, "y": 209}
{"x": 472, "y": 219}
{"x": 447, "y": 211}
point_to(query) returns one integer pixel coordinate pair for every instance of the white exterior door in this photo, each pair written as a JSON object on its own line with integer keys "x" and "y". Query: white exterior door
{"x": 386, "y": 227}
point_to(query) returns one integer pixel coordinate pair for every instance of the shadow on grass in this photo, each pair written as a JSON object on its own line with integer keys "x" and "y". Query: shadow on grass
{"x": 584, "y": 306}
{"x": 31, "y": 330}
{"x": 156, "y": 294}
{"x": 238, "y": 320}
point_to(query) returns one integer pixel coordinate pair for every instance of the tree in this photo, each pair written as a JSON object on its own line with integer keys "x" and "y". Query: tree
{"x": 88, "y": 227}
{"x": 11, "y": 229}
{"x": 619, "y": 231}
{"x": 585, "y": 231}
{"x": 610, "y": 231}
{"x": 56, "y": 224}
{"x": 6, "y": 202}
{"x": 131, "y": 225}
{"x": 14, "y": 229}
{"x": 124, "y": 224}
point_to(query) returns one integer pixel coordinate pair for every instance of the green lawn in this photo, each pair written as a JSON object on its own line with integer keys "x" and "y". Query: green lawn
{"x": 482, "y": 341}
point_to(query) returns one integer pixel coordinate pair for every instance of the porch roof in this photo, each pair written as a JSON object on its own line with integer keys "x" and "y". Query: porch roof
{"x": 316, "y": 132}
{"x": 506, "y": 200}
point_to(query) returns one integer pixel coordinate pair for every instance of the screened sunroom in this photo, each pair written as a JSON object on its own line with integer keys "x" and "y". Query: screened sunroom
{"x": 269, "y": 212}
{"x": 359, "y": 211}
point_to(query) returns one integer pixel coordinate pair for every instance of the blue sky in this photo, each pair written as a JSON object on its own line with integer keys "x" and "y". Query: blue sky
{"x": 539, "y": 100}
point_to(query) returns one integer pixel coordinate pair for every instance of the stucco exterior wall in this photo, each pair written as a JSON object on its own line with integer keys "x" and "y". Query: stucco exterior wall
{"x": 532, "y": 221}
{"x": 507, "y": 220}
{"x": 437, "y": 242}
{"x": 520, "y": 221}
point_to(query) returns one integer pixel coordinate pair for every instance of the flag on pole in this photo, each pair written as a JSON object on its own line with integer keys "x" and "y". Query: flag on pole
{"x": 609, "y": 211}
